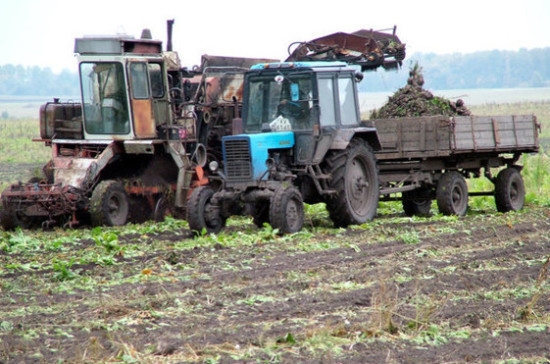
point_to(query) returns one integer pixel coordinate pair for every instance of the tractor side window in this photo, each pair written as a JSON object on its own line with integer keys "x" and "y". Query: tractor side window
{"x": 140, "y": 86}
{"x": 104, "y": 98}
{"x": 157, "y": 81}
{"x": 326, "y": 101}
{"x": 348, "y": 111}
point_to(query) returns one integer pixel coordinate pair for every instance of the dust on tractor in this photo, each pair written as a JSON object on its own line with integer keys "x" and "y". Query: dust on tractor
{"x": 300, "y": 139}
{"x": 134, "y": 147}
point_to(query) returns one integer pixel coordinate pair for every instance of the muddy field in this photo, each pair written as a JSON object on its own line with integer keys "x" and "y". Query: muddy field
{"x": 396, "y": 290}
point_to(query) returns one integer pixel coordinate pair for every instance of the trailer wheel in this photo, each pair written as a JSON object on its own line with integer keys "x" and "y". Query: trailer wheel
{"x": 286, "y": 210}
{"x": 417, "y": 202}
{"x": 109, "y": 204}
{"x": 201, "y": 214}
{"x": 452, "y": 194}
{"x": 355, "y": 179}
{"x": 509, "y": 190}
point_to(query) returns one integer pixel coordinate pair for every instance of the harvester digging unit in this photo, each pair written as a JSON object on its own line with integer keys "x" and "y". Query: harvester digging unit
{"x": 134, "y": 147}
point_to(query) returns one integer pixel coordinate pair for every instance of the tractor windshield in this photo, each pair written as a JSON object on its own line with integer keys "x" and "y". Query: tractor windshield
{"x": 278, "y": 102}
{"x": 104, "y": 98}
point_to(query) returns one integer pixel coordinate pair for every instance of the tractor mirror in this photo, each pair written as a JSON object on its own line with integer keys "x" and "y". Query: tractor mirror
{"x": 294, "y": 92}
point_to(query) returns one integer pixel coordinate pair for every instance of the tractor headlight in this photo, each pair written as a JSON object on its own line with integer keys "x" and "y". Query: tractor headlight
{"x": 213, "y": 166}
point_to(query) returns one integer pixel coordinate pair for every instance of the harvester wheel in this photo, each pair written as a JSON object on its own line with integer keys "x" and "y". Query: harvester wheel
{"x": 109, "y": 204}
{"x": 286, "y": 210}
{"x": 355, "y": 179}
{"x": 8, "y": 220}
{"x": 201, "y": 214}
{"x": 509, "y": 190}
{"x": 162, "y": 208}
{"x": 452, "y": 194}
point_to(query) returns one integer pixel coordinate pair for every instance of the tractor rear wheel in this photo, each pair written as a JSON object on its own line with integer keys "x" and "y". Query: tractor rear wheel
{"x": 109, "y": 204}
{"x": 201, "y": 214}
{"x": 355, "y": 179}
{"x": 452, "y": 194}
{"x": 286, "y": 210}
{"x": 509, "y": 190}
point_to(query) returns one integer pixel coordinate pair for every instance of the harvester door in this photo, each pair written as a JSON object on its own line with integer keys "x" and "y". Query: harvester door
{"x": 161, "y": 106}
{"x": 142, "y": 106}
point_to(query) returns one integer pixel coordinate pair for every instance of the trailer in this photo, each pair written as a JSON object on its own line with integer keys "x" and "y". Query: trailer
{"x": 429, "y": 158}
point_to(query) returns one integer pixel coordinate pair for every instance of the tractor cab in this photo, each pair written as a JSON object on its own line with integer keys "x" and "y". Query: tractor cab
{"x": 311, "y": 99}
{"x": 123, "y": 83}
{"x": 306, "y": 108}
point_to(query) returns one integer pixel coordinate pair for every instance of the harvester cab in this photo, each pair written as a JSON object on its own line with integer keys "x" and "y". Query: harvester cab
{"x": 112, "y": 110}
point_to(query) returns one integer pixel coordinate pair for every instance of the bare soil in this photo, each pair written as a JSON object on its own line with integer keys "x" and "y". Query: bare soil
{"x": 473, "y": 289}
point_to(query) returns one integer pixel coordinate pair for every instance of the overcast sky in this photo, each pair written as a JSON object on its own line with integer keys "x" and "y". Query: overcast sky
{"x": 37, "y": 32}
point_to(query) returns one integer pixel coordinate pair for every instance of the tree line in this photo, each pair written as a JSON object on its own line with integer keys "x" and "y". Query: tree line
{"x": 488, "y": 69}
{"x": 17, "y": 80}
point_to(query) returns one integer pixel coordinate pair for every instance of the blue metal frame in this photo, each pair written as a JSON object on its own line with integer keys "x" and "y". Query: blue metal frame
{"x": 260, "y": 145}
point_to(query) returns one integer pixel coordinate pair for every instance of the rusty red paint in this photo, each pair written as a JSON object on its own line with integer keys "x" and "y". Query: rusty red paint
{"x": 144, "y": 122}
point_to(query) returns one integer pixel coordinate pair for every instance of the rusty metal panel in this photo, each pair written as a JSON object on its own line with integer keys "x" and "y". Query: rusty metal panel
{"x": 232, "y": 87}
{"x": 62, "y": 119}
{"x": 139, "y": 146}
{"x": 144, "y": 122}
{"x": 367, "y": 48}
{"x": 70, "y": 171}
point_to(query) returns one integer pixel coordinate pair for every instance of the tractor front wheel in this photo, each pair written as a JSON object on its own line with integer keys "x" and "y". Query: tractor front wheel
{"x": 286, "y": 210}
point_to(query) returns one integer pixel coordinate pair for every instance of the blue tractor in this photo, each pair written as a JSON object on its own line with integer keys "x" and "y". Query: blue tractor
{"x": 300, "y": 140}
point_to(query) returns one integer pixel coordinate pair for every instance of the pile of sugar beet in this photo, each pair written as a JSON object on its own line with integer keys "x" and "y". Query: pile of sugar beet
{"x": 412, "y": 100}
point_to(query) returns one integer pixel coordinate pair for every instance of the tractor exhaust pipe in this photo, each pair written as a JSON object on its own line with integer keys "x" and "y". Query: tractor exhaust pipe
{"x": 169, "y": 24}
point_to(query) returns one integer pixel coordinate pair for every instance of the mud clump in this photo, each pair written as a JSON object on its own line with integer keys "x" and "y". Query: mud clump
{"x": 413, "y": 100}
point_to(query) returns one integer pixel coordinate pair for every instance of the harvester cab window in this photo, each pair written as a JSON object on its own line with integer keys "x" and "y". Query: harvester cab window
{"x": 140, "y": 85}
{"x": 157, "y": 81}
{"x": 104, "y": 98}
{"x": 279, "y": 103}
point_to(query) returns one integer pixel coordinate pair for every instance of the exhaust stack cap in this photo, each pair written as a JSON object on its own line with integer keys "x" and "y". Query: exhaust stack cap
{"x": 146, "y": 34}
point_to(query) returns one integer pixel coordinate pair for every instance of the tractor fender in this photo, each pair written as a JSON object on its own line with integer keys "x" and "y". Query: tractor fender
{"x": 342, "y": 137}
